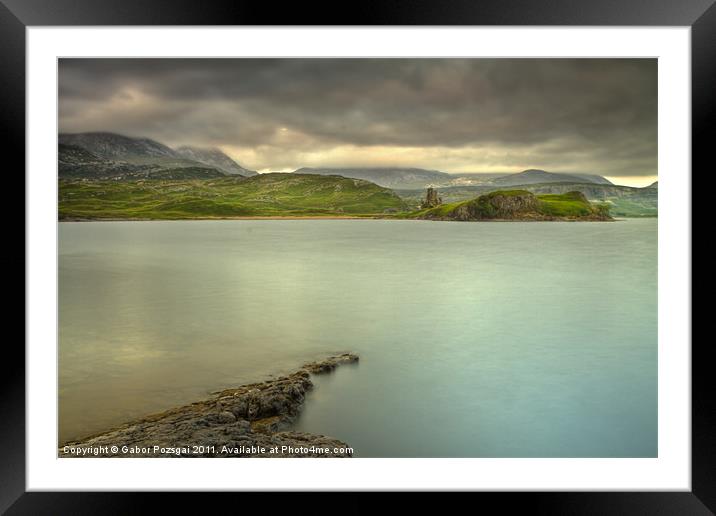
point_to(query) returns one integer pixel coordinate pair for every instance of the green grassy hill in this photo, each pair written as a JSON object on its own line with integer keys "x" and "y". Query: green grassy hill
{"x": 518, "y": 205}
{"x": 624, "y": 201}
{"x": 261, "y": 195}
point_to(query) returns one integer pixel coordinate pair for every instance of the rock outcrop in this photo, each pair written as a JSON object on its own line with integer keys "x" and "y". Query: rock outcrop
{"x": 247, "y": 421}
{"x": 520, "y": 205}
{"x": 497, "y": 206}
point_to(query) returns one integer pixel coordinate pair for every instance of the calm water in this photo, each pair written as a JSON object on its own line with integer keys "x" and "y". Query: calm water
{"x": 476, "y": 339}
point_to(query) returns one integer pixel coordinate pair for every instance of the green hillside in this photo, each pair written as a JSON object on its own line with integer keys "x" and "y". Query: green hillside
{"x": 518, "y": 205}
{"x": 261, "y": 195}
{"x": 624, "y": 201}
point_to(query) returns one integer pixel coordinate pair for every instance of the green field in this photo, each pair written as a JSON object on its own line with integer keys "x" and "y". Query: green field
{"x": 297, "y": 195}
{"x": 571, "y": 204}
{"x": 259, "y": 196}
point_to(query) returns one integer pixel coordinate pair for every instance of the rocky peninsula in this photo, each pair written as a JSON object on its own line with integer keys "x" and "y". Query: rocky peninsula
{"x": 515, "y": 205}
{"x": 246, "y": 421}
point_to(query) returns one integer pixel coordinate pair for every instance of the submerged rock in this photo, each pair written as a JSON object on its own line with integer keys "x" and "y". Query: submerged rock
{"x": 330, "y": 364}
{"x": 247, "y": 421}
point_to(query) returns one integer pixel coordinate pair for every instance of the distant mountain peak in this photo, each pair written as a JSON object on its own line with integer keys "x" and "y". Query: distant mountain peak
{"x": 195, "y": 148}
{"x": 214, "y": 157}
{"x": 117, "y": 146}
{"x": 535, "y": 175}
{"x": 389, "y": 177}
{"x": 144, "y": 152}
{"x": 110, "y": 155}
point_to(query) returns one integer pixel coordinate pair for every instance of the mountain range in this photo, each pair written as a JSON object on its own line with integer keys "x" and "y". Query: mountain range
{"x": 418, "y": 178}
{"x": 533, "y": 176}
{"x": 215, "y": 158}
{"x": 389, "y": 177}
{"x": 105, "y": 155}
{"x": 102, "y": 155}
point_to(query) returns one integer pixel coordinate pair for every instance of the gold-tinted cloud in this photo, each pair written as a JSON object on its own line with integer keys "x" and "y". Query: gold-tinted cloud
{"x": 454, "y": 115}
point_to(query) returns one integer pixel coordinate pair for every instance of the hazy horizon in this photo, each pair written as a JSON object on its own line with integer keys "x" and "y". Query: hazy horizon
{"x": 637, "y": 181}
{"x": 591, "y": 116}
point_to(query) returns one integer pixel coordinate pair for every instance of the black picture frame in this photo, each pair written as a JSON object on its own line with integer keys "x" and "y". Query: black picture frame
{"x": 17, "y": 15}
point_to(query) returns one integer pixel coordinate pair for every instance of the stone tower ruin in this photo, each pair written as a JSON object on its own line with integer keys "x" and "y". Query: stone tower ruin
{"x": 431, "y": 199}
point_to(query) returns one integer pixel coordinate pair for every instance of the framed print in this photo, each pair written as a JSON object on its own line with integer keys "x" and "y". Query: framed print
{"x": 268, "y": 256}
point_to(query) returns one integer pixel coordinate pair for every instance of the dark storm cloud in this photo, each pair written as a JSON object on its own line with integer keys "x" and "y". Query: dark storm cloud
{"x": 601, "y": 113}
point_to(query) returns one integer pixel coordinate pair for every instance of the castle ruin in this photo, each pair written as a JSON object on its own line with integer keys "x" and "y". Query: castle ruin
{"x": 431, "y": 199}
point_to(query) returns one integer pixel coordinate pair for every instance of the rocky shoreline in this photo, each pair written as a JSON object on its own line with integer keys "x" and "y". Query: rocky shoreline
{"x": 246, "y": 421}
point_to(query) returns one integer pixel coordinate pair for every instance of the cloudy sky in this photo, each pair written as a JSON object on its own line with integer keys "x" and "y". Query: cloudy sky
{"x": 455, "y": 115}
